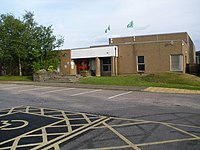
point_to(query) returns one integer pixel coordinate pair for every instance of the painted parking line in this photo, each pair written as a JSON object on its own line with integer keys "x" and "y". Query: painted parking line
{"x": 32, "y": 89}
{"x": 86, "y": 92}
{"x": 59, "y": 90}
{"x": 111, "y": 97}
{"x": 7, "y": 85}
{"x": 16, "y": 87}
{"x": 58, "y": 128}
{"x": 55, "y": 126}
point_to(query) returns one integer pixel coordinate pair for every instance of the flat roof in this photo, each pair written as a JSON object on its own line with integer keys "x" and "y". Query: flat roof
{"x": 149, "y": 35}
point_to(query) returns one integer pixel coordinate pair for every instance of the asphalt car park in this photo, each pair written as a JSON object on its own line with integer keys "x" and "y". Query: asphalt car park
{"x": 43, "y": 117}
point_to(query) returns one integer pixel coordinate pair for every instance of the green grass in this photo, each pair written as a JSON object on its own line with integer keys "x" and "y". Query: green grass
{"x": 16, "y": 78}
{"x": 168, "y": 79}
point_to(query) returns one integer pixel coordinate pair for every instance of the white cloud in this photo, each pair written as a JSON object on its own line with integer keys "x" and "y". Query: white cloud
{"x": 83, "y": 22}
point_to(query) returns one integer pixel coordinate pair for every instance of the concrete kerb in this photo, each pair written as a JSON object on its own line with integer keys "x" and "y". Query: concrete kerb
{"x": 107, "y": 87}
{"x": 75, "y": 85}
{"x": 171, "y": 90}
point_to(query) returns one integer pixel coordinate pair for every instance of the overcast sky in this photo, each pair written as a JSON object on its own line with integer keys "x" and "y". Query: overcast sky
{"x": 83, "y": 22}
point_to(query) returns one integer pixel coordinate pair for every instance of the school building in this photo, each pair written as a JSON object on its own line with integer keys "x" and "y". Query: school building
{"x": 132, "y": 55}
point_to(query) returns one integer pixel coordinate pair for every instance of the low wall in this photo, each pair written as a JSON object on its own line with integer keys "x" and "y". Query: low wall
{"x": 44, "y": 76}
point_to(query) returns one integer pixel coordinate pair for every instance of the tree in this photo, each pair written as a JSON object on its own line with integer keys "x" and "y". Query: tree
{"x": 24, "y": 42}
{"x": 43, "y": 43}
{"x": 11, "y": 44}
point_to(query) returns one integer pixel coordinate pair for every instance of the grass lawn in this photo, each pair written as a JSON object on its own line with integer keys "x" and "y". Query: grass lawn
{"x": 16, "y": 78}
{"x": 168, "y": 79}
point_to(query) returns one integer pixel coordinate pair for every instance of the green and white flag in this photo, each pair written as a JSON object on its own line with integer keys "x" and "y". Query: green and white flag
{"x": 130, "y": 25}
{"x": 108, "y": 29}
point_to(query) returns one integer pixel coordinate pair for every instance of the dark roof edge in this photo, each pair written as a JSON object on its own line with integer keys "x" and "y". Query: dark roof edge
{"x": 150, "y": 35}
{"x": 147, "y": 42}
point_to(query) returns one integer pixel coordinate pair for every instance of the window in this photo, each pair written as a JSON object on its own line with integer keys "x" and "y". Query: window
{"x": 140, "y": 64}
{"x": 176, "y": 62}
{"x": 107, "y": 64}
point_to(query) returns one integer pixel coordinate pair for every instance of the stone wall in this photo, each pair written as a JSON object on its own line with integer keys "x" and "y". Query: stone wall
{"x": 45, "y": 76}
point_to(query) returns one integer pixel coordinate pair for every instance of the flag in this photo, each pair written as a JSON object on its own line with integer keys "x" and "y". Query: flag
{"x": 108, "y": 29}
{"x": 130, "y": 25}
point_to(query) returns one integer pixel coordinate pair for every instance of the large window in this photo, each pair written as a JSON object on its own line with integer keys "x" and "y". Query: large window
{"x": 140, "y": 64}
{"x": 107, "y": 64}
{"x": 176, "y": 62}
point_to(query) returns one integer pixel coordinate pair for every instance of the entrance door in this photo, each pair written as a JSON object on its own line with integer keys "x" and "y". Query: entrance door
{"x": 106, "y": 66}
{"x": 82, "y": 65}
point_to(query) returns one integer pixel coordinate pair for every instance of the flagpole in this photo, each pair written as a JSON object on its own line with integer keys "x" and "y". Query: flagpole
{"x": 107, "y": 32}
{"x": 130, "y": 27}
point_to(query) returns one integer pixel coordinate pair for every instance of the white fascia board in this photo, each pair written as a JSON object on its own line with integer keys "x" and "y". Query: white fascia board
{"x": 104, "y": 51}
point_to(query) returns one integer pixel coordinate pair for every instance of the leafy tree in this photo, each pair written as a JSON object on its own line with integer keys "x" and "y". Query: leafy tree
{"x": 24, "y": 42}
{"x": 11, "y": 45}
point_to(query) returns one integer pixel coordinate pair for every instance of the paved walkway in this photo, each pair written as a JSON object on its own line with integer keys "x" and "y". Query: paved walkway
{"x": 107, "y": 87}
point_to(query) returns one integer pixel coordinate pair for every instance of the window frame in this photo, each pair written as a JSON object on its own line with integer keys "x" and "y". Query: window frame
{"x": 107, "y": 64}
{"x": 140, "y": 63}
{"x": 180, "y": 63}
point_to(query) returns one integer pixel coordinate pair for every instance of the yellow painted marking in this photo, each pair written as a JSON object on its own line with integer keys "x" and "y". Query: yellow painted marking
{"x": 51, "y": 125}
{"x": 5, "y": 124}
{"x": 42, "y": 111}
{"x": 81, "y": 130}
{"x": 34, "y": 135}
{"x": 182, "y": 125}
{"x": 27, "y": 109}
{"x": 76, "y": 118}
{"x": 5, "y": 127}
{"x": 180, "y": 130}
{"x": 121, "y": 136}
{"x": 56, "y": 147}
{"x": 15, "y": 143}
{"x": 49, "y": 111}
{"x": 125, "y": 124}
{"x": 44, "y": 135}
{"x": 111, "y": 148}
{"x": 171, "y": 90}
{"x": 86, "y": 127}
{"x": 57, "y": 133}
{"x": 20, "y": 146}
{"x": 71, "y": 112}
{"x": 23, "y": 135}
{"x": 167, "y": 141}
{"x": 8, "y": 114}
{"x": 74, "y": 125}
{"x": 44, "y": 115}
{"x": 86, "y": 118}
{"x": 11, "y": 110}
{"x": 127, "y": 119}
{"x": 144, "y": 144}
{"x": 56, "y": 126}
{"x": 67, "y": 122}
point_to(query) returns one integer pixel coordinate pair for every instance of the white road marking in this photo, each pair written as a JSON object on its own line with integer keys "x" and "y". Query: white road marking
{"x": 86, "y": 92}
{"x": 119, "y": 95}
{"x": 10, "y": 88}
{"x": 7, "y": 85}
{"x": 57, "y": 90}
{"x": 36, "y": 88}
